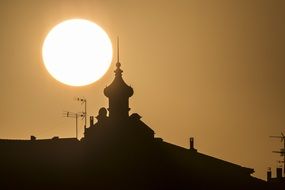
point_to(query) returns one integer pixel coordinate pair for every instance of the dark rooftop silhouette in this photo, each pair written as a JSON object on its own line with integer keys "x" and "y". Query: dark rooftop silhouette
{"x": 119, "y": 151}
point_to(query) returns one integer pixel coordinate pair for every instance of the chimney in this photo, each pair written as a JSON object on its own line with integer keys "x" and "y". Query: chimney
{"x": 192, "y": 144}
{"x": 91, "y": 120}
{"x": 269, "y": 174}
{"x": 279, "y": 173}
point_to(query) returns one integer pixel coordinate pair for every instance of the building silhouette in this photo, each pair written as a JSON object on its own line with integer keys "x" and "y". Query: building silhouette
{"x": 118, "y": 151}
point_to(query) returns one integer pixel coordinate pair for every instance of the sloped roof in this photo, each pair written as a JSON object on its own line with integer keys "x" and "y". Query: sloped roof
{"x": 203, "y": 160}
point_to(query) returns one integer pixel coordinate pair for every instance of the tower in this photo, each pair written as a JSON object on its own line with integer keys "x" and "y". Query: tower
{"x": 118, "y": 93}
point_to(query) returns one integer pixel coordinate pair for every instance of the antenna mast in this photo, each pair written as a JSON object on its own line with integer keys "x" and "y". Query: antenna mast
{"x": 83, "y": 101}
{"x": 74, "y": 115}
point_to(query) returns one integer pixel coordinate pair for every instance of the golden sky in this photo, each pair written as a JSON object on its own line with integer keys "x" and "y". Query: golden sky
{"x": 213, "y": 70}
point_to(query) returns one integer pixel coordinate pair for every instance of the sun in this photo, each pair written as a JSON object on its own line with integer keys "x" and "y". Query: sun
{"x": 77, "y": 52}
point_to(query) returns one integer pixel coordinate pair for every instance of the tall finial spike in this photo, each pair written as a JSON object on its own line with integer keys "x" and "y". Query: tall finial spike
{"x": 118, "y": 50}
{"x": 118, "y": 64}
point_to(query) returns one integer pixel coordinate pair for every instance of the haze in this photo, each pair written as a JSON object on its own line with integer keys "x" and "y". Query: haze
{"x": 213, "y": 70}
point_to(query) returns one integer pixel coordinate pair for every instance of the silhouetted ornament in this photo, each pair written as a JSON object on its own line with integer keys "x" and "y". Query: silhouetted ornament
{"x": 102, "y": 115}
{"x": 102, "y": 112}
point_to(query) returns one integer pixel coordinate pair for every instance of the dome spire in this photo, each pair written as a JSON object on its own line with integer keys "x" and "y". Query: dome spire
{"x": 118, "y": 71}
{"x": 118, "y": 49}
{"x": 118, "y": 93}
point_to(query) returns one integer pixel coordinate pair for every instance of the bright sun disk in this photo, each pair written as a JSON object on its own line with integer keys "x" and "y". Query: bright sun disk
{"x": 77, "y": 52}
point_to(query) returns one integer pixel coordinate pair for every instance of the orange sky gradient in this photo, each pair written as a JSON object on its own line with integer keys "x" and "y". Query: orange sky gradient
{"x": 213, "y": 70}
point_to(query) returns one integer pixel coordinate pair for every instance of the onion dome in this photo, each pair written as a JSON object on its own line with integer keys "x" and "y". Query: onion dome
{"x": 118, "y": 88}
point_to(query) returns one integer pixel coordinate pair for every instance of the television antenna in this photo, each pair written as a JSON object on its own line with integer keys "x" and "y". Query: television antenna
{"x": 282, "y": 150}
{"x": 83, "y": 101}
{"x": 76, "y": 116}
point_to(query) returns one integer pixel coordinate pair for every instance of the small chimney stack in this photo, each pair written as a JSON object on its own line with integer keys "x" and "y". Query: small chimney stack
{"x": 91, "y": 120}
{"x": 192, "y": 144}
{"x": 269, "y": 174}
{"x": 279, "y": 173}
